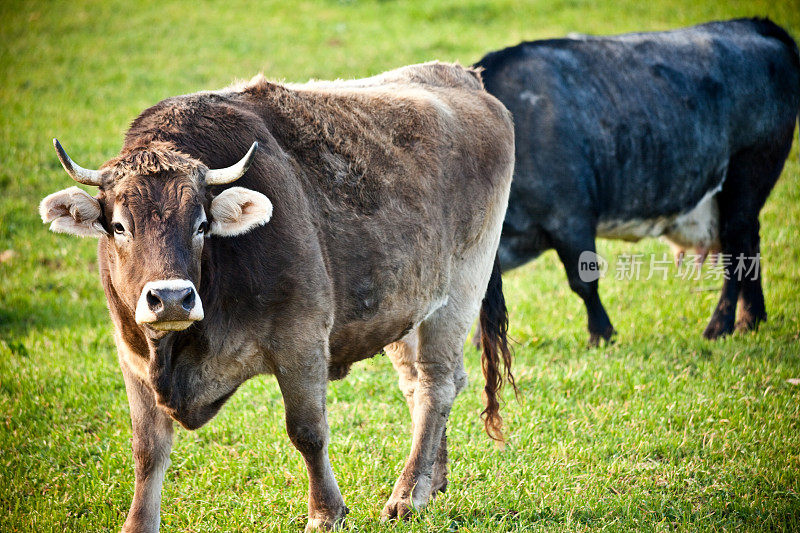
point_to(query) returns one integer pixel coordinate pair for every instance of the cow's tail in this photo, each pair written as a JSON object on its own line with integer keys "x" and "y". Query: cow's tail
{"x": 496, "y": 356}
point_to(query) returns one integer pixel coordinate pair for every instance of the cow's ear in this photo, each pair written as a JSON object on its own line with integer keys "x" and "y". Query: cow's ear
{"x": 72, "y": 211}
{"x": 238, "y": 210}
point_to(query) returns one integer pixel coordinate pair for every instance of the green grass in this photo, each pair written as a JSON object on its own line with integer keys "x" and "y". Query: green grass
{"x": 661, "y": 431}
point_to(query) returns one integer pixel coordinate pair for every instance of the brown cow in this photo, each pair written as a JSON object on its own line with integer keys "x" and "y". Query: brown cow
{"x": 369, "y": 219}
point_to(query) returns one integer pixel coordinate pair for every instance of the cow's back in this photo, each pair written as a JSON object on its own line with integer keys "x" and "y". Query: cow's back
{"x": 642, "y": 125}
{"x": 400, "y": 172}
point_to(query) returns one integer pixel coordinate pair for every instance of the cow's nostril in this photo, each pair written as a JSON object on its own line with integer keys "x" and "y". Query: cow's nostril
{"x": 188, "y": 301}
{"x": 169, "y": 305}
{"x": 153, "y": 301}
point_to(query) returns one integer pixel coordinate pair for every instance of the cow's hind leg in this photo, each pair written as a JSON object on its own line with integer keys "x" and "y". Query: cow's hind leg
{"x": 570, "y": 244}
{"x": 439, "y": 377}
{"x": 403, "y": 355}
{"x": 739, "y": 239}
{"x": 303, "y": 381}
{"x": 751, "y": 175}
{"x": 752, "y": 309}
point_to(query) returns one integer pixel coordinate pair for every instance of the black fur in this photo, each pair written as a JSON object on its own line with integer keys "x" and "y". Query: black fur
{"x": 640, "y": 126}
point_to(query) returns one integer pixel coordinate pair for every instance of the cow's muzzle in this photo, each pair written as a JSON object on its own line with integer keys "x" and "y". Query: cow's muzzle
{"x": 169, "y": 305}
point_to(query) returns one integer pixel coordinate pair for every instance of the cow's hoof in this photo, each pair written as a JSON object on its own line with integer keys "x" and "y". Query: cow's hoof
{"x": 717, "y": 329}
{"x": 748, "y": 322}
{"x": 395, "y": 509}
{"x": 439, "y": 480}
{"x": 322, "y": 523}
{"x": 595, "y": 339}
{"x": 439, "y": 486}
{"x": 141, "y": 526}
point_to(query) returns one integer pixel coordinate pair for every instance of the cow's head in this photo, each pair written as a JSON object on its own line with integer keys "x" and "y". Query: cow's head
{"x": 155, "y": 209}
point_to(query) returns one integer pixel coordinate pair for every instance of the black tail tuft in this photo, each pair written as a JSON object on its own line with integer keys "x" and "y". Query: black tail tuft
{"x": 496, "y": 354}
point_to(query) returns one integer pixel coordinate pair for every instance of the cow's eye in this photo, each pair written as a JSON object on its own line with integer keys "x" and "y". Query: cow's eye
{"x": 202, "y": 228}
{"x": 119, "y": 229}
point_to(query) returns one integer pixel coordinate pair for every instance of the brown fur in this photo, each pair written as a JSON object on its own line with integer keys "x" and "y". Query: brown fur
{"x": 388, "y": 198}
{"x": 150, "y": 159}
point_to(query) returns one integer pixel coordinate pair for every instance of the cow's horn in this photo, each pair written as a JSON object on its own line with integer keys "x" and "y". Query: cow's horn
{"x": 77, "y": 172}
{"x": 221, "y": 176}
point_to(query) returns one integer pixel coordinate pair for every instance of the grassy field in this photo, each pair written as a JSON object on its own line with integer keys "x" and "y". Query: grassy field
{"x": 660, "y": 431}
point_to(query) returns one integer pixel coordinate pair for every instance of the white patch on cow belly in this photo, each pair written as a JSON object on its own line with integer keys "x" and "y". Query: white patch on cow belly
{"x": 698, "y": 227}
{"x": 634, "y": 229}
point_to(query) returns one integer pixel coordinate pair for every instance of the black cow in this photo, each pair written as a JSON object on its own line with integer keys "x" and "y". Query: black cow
{"x": 680, "y": 134}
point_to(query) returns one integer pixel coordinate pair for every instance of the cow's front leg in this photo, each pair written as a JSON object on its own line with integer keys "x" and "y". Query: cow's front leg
{"x": 152, "y": 442}
{"x": 570, "y": 246}
{"x": 304, "y": 387}
{"x": 440, "y": 375}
